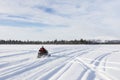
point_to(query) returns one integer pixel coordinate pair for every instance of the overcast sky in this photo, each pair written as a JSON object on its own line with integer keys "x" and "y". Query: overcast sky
{"x": 59, "y": 19}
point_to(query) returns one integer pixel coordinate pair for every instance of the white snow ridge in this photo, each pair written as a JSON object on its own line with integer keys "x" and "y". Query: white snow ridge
{"x": 67, "y": 62}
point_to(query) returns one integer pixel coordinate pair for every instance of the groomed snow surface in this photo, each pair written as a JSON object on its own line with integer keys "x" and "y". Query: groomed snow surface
{"x": 67, "y": 62}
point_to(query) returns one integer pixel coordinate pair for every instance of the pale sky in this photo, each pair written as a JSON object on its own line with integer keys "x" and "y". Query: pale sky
{"x": 59, "y": 19}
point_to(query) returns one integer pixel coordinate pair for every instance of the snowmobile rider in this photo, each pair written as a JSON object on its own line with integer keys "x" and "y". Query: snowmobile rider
{"x": 43, "y": 51}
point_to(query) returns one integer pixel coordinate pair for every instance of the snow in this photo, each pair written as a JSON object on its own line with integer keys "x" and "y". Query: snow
{"x": 67, "y": 62}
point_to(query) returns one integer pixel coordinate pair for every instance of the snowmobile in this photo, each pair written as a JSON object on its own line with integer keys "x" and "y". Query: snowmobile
{"x": 43, "y": 53}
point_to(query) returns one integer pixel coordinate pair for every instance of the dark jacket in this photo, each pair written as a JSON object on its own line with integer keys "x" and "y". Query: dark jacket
{"x": 43, "y": 50}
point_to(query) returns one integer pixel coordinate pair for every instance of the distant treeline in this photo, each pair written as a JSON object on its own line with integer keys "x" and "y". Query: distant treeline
{"x": 81, "y": 41}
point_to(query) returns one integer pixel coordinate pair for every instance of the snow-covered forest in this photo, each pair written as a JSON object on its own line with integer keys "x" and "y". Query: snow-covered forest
{"x": 81, "y": 41}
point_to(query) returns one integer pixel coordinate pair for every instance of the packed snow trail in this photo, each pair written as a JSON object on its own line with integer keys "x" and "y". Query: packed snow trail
{"x": 67, "y": 62}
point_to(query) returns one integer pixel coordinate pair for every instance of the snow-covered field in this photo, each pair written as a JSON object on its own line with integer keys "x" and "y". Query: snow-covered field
{"x": 67, "y": 62}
